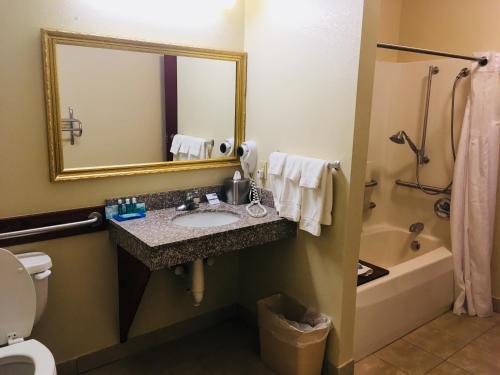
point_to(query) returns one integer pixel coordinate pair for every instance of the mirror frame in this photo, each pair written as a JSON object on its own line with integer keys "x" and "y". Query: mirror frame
{"x": 51, "y": 38}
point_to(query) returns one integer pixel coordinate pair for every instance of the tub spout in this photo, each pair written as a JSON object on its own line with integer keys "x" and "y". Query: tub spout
{"x": 416, "y": 228}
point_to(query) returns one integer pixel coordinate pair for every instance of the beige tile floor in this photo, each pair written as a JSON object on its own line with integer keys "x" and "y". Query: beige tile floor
{"x": 448, "y": 345}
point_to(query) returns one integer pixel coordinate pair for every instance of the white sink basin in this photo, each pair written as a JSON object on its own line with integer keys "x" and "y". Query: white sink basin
{"x": 206, "y": 219}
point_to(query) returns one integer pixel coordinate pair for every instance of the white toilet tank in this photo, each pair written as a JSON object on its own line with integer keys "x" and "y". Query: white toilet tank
{"x": 38, "y": 266}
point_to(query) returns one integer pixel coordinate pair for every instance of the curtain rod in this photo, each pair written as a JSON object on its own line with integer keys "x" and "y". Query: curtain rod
{"x": 481, "y": 60}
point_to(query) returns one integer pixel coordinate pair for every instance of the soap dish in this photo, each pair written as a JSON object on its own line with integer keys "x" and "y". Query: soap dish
{"x": 132, "y": 216}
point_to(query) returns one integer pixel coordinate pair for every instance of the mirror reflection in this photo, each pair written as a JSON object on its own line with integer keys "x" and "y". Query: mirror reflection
{"x": 121, "y": 107}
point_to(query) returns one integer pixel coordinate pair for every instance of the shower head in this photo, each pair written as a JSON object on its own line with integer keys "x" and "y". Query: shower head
{"x": 401, "y": 137}
{"x": 463, "y": 73}
{"x": 398, "y": 138}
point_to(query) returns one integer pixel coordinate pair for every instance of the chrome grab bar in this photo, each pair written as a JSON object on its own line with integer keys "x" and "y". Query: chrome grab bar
{"x": 371, "y": 183}
{"x": 95, "y": 219}
{"x": 414, "y": 185}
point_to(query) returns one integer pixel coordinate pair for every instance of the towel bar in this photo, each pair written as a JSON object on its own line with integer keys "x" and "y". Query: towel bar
{"x": 334, "y": 164}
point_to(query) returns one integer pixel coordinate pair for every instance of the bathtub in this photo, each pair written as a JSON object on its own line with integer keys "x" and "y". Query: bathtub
{"x": 419, "y": 287}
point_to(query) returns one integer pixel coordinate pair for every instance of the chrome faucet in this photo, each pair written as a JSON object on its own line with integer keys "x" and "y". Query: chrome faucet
{"x": 190, "y": 203}
{"x": 416, "y": 228}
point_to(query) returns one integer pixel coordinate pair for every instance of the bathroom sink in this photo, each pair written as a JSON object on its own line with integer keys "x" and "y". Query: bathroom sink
{"x": 206, "y": 219}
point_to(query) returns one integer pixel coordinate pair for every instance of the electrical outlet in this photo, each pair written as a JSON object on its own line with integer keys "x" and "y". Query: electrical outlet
{"x": 261, "y": 173}
{"x": 263, "y": 168}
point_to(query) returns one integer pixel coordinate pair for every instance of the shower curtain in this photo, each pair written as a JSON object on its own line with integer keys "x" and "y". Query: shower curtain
{"x": 474, "y": 191}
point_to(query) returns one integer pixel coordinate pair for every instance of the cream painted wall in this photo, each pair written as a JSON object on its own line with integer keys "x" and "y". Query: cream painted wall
{"x": 470, "y": 26}
{"x": 459, "y": 26}
{"x": 302, "y": 98}
{"x": 206, "y": 99}
{"x": 118, "y": 96}
{"x": 81, "y": 315}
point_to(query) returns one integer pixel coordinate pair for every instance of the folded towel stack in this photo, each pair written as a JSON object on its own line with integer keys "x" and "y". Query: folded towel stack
{"x": 185, "y": 147}
{"x": 302, "y": 190}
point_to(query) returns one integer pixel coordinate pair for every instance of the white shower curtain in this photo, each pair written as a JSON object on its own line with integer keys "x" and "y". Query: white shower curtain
{"x": 474, "y": 191}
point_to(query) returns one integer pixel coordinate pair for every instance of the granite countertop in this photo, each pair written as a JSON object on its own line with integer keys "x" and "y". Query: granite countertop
{"x": 157, "y": 242}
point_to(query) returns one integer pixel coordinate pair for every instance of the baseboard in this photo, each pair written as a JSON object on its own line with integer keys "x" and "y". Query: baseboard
{"x": 147, "y": 341}
{"x": 345, "y": 369}
{"x": 496, "y": 304}
{"x": 67, "y": 368}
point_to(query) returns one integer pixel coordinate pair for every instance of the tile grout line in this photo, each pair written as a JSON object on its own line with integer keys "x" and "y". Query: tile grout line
{"x": 448, "y": 334}
{"x": 415, "y": 346}
{"x": 439, "y": 364}
{"x": 463, "y": 347}
{"x": 469, "y": 343}
{"x": 445, "y": 360}
{"x": 390, "y": 364}
{"x": 434, "y": 354}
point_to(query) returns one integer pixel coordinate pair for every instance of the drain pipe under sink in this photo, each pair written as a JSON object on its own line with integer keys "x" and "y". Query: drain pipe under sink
{"x": 197, "y": 281}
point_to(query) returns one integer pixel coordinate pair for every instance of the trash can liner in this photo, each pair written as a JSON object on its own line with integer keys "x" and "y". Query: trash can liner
{"x": 290, "y": 322}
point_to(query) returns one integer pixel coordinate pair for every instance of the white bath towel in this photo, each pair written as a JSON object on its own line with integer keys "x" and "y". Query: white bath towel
{"x": 291, "y": 197}
{"x": 276, "y": 165}
{"x": 180, "y": 147}
{"x": 312, "y": 171}
{"x": 197, "y": 149}
{"x": 185, "y": 145}
{"x": 316, "y": 204}
{"x": 176, "y": 144}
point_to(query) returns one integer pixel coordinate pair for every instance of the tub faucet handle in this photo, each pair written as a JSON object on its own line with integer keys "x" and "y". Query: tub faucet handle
{"x": 416, "y": 228}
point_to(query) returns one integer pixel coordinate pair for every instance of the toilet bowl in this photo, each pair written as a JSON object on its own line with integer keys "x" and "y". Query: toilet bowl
{"x": 26, "y": 358}
{"x": 21, "y": 278}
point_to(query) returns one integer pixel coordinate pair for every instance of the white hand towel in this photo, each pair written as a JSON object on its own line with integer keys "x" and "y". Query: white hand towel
{"x": 185, "y": 144}
{"x": 312, "y": 171}
{"x": 276, "y": 165}
{"x": 316, "y": 207}
{"x": 293, "y": 168}
{"x": 196, "y": 148}
{"x": 176, "y": 144}
{"x": 291, "y": 195}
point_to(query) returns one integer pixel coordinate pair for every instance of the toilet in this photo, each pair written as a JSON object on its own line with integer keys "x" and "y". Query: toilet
{"x": 23, "y": 298}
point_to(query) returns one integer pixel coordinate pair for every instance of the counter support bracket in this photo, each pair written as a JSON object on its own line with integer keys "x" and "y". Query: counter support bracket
{"x": 133, "y": 277}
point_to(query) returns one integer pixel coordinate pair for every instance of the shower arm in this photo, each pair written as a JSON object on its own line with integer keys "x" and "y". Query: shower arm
{"x": 412, "y": 145}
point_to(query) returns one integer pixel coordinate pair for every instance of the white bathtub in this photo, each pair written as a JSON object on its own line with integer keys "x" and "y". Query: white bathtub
{"x": 419, "y": 287}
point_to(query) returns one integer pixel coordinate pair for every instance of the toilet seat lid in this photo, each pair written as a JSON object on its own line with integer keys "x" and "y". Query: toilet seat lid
{"x": 17, "y": 298}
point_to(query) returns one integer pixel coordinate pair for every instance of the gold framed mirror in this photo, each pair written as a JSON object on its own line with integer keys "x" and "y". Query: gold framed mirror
{"x": 124, "y": 107}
